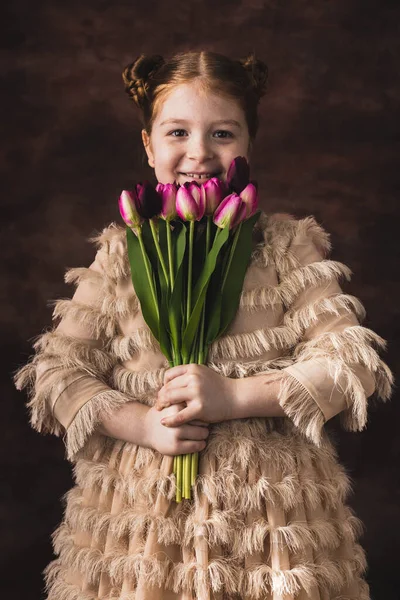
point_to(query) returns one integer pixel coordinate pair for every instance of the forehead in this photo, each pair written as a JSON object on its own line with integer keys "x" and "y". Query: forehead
{"x": 192, "y": 102}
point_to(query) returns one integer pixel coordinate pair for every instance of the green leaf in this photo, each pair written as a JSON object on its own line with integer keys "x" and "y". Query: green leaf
{"x": 200, "y": 291}
{"x": 236, "y": 273}
{"x": 141, "y": 282}
{"x": 214, "y": 303}
{"x": 175, "y": 305}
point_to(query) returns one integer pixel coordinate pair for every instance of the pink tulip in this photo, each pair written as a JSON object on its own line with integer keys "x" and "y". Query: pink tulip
{"x": 212, "y": 192}
{"x": 167, "y": 192}
{"x": 227, "y": 212}
{"x": 240, "y": 216}
{"x": 128, "y": 203}
{"x": 189, "y": 202}
{"x": 250, "y": 198}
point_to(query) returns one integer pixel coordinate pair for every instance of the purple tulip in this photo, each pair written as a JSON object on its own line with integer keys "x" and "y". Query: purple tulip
{"x": 212, "y": 192}
{"x": 238, "y": 174}
{"x": 228, "y": 211}
{"x": 128, "y": 207}
{"x": 167, "y": 192}
{"x": 149, "y": 200}
{"x": 250, "y": 198}
{"x": 190, "y": 202}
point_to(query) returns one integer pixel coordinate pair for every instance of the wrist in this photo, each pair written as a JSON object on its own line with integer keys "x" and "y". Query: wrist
{"x": 128, "y": 423}
{"x": 257, "y": 396}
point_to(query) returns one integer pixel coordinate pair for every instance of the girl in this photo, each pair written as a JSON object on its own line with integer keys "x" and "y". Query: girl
{"x": 268, "y": 518}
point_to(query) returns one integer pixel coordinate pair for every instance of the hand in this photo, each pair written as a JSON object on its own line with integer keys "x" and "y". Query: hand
{"x": 209, "y": 396}
{"x": 185, "y": 439}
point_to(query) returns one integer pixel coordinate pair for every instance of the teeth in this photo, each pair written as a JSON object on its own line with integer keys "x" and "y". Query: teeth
{"x": 203, "y": 176}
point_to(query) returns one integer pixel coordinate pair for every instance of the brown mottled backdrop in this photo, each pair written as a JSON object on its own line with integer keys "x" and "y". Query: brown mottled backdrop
{"x": 327, "y": 146}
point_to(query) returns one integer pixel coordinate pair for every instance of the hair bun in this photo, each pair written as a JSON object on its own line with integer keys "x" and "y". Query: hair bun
{"x": 136, "y": 76}
{"x": 258, "y": 73}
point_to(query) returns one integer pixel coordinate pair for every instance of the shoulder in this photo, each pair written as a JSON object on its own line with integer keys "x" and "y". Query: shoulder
{"x": 285, "y": 229}
{"x": 112, "y": 250}
{"x": 111, "y": 238}
{"x": 284, "y": 235}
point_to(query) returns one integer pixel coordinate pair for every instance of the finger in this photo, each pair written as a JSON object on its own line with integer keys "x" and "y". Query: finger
{"x": 191, "y": 432}
{"x": 174, "y": 396}
{"x": 183, "y": 416}
{"x": 199, "y": 423}
{"x": 189, "y": 446}
{"x": 171, "y": 410}
{"x": 174, "y": 372}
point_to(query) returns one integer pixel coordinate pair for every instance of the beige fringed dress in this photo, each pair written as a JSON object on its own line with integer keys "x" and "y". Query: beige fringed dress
{"x": 269, "y": 518}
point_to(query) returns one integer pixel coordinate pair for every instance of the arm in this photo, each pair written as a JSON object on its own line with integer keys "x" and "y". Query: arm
{"x": 67, "y": 378}
{"x": 335, "y": 365}
{"x": 257, "y": 396}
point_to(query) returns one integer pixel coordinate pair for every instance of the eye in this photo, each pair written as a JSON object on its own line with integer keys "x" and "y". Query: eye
{"x": 175, "y": 130}
{"x": 229, "y": 134}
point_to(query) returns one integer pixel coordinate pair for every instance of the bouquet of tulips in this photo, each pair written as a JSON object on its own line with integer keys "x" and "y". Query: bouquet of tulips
{"x": 189, "y": 246}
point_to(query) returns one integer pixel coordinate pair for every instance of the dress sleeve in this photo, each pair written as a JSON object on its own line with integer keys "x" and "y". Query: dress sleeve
{"x": 67, "y": 376}
{"x": 336, "y": 366}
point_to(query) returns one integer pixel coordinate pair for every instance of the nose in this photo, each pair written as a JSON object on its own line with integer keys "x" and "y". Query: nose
{"x": 199, "y": 148}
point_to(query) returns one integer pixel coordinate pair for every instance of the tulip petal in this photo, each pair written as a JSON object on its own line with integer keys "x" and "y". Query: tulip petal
{"x": 186, "y": 206}
{"x": 250, "y": 198}
{"x": 212, "y": 193}
{"x": 149, "y": 200}
{"x": 128, "y": 208}
{"x": 238, "y": 174}
{"x": 226, "y": 213}
{"x": 168, "y": 195}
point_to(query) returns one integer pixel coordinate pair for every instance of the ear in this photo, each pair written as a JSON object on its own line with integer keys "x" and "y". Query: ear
{"x": 147, "y": 147}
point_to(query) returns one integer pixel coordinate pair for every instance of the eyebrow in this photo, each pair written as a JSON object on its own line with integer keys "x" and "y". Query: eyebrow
{"x": 220, "y": 122}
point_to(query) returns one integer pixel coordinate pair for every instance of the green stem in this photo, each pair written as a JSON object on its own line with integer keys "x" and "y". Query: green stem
{"x": 170, "y": 257}
{"x": 179, "y": 477}
{"x": 158, "y": 248}
{"x": 203, "y": 315}
{"x": 190, "y": 271}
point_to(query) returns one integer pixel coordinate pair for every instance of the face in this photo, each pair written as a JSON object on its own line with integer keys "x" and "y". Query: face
{"x": 195, "y": 132}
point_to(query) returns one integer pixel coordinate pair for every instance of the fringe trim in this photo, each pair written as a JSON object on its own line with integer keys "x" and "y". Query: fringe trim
{"x": 224, "y": 488}
{"x": 311, "y": 275}
{"x": 109, "y": 237}
{"x": 41, "y": 417}
{"x": 254, "y": 343}
{"x": 76, "y": 275}
{"x": 121, "y": 307}
{"x": 125, "y": 346}
{"x": 138, "y": 384}
{"x": 220, "y": 574}
{"x": 260, "y": 297}
{"x": 113, "y": 240}
{"x": 89, "y": 416}
{"x": 341, "y": 350}
{"x": 129, "y": 521}
{"x": 280, "y": 232}
{"x": 301, "y": 408}
{"x": 97, "y": 322}
{"x": 301, "y": 319}
{"x": 65, "y": 591}
{"x": 73, "y": 352}
{"x": 238, "y": 370}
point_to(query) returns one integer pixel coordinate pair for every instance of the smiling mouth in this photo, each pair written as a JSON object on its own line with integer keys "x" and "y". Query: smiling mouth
{"x": 199, "y": 177}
